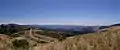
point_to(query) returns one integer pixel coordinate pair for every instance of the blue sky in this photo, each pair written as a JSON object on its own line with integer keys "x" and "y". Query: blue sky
{"x": 63, "y": 12}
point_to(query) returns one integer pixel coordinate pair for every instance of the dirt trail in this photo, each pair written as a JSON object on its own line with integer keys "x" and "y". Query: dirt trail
{"x": 37, "y": 37}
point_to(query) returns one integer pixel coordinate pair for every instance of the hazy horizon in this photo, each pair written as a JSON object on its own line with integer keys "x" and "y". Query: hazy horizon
{"x": 60, "y": 12}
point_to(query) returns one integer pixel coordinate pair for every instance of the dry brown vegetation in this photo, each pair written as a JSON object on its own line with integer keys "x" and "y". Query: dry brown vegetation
{"x": 4, "y": 42}
{"x": 107, "y": 40}
{"x": 101, "y": 40}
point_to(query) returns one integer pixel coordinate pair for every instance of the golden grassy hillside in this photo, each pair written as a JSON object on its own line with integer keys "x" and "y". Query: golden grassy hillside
{"x": 106, "y": 40}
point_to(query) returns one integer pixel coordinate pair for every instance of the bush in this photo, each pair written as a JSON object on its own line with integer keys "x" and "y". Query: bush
{"x": 20, "y": 44}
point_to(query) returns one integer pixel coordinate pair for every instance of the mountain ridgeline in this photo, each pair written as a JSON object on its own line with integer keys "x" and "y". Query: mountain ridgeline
{"x": 70, "y": 30}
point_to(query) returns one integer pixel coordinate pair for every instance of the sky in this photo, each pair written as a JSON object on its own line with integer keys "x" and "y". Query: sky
{"x": 60, "y": 12}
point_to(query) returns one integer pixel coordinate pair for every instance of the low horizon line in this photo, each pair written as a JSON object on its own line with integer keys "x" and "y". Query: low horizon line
{"x": 60, "y": 24}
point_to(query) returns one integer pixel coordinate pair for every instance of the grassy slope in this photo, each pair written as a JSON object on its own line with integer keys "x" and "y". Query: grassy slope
{"x": 102, "y": 40}
{"x": 107, "y": 40}
{"x": 4, "y": 42}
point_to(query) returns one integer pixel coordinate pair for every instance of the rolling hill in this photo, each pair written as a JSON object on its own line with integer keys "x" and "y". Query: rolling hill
{"x": 101, "y": 40}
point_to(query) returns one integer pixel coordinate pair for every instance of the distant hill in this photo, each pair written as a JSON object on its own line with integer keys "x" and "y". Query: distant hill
{"x": 12, "y": 28}
{"x": 116, "y": 24}
{"x": 68, "y": 29}
{"x": 71, "y": 28}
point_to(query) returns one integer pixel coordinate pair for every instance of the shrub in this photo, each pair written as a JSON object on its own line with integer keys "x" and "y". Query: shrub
{"x": 21, "y": 44}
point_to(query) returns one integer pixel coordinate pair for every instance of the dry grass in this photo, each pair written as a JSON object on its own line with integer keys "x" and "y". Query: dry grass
{"x": 4, "y": 42}
{"x": 102, "y": 40}
{"x": 108, "y": 40}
